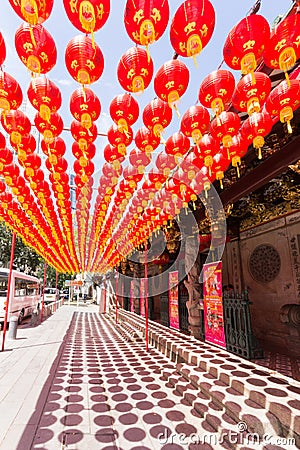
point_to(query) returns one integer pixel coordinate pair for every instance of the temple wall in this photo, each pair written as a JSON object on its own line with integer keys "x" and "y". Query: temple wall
{"x": 266, "y": 260}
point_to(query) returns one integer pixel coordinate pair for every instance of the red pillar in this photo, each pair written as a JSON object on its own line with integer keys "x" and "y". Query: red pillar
{"x": 146, "y": 299}
{"x": 43, "y": 297}
{"x": 12, "y": 253}
{"x": 104, "y": 297}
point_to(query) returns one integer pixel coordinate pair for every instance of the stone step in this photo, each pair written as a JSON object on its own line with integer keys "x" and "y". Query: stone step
{"x": 207, "y": 366}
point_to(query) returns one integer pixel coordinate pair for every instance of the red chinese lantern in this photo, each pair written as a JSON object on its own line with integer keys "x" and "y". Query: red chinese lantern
{"x": 255, "y": 128}
{"x": 26, "y": 146}
{"x": 139, "y": 160}
{"x": 191, "y": 164}
{"x": 157, "y": 178}
{"x": 246, "y": 42}
{"x": 216, "y": 90}
{"x": 219, "y": 166}
{"x": 177, "y": 145}
{"x": 171, "y": 82}
{"x": 135, "y": 70}
{"x": 195, "y": 122}
{"x": 44, "y": 96}
{"x": 87, "y": 16}
{"x": 224, "y": 127}
{"x": 131, "y": 174}
{"x": 2, "y": 50}
{"x": 192, "y": 27}
{"x": 208, "y": 147}
{"x": 56, "y": 147}
{"x": 32, "y": 11}
{"x": 109, "y": 171}
{"x": 283, "y": 100}
{"x": 84, "y": 60}
{"x": 56, "y": 164}
{"x": 31, "y": 164}
{"x": 6, "y": 158}
{"x": 17, "y": 124}
{"x": 146, "y": 141}
{"x": 251, "y": 92}
{"x": 124, "y": 111}
{"x": 49, "y": 129}
{"x": 157, "y": 115}
{"x": 283, "y": 49}
{"x": 146, "y": 20}
{"x": 114, "y": 155}
{"x": 165, "y": 163}
{"x": 36, "y": 48}
{"x": 82, "y": 135}
{"x": 84, "y": 172}
{"x": 118, "y": 139}
{"x": 2, "y": 141}
{"x": 10, "y": 172}
{"x": 87, "y": 154}
{"x": 11, "y": 96}
{"x": 85, "y": 106}
{"x": 237, "y": 150}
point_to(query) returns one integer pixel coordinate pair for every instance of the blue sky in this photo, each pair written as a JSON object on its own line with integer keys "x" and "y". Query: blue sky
{"x": 114, "y": 41}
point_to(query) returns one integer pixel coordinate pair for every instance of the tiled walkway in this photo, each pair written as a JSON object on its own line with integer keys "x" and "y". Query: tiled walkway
{"x": 289, "y": 367}
{"x": 74, "y": 383}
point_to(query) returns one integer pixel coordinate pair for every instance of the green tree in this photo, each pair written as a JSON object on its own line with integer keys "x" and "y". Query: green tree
{"x": 25, "y": 258}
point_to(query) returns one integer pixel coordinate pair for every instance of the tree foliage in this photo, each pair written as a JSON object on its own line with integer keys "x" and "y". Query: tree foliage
{"x": 26, "y": 259}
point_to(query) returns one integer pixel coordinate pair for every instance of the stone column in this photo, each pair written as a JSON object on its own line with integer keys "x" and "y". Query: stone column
{"x": 192, "y": 269}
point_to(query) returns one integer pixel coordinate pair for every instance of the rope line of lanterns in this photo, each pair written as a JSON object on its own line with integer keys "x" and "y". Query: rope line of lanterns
{"x": 130, "y": 206}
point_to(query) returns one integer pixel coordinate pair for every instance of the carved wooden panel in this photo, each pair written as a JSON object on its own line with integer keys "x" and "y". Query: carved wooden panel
{"x": 264, "y": 263}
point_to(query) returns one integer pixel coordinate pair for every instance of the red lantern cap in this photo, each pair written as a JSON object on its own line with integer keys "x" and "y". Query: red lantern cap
{"x": 192, "y": 27}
